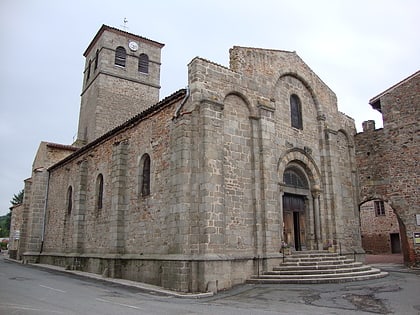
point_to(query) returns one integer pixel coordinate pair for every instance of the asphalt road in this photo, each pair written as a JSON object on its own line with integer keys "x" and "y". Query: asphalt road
{"x": 26, "y": 289}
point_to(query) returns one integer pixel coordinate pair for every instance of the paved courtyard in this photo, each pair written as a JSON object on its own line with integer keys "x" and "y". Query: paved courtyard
{"x": 398, "y": 293}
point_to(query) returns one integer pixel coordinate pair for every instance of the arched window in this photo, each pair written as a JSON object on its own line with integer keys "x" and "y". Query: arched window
{"x": 296, "y": 112}
{"x": 144, "y": 175}
{"x": 96, "y": 59}
{"x": 293, "y": 177}
{"x": 99, "y": 191}
{"x": 120, "y": 56}
{"x": 69, "y": 199}
{"x": 143, "y": 63}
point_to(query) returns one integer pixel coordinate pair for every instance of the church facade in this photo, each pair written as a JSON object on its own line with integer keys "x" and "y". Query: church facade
{"x": 198, "y": 191}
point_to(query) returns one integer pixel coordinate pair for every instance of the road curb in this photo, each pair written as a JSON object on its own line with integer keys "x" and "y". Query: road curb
{"x": 123, "y": 282}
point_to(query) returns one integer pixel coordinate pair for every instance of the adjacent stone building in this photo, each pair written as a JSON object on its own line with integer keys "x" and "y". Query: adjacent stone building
{"x": 388, "y": 159}
{"x": 379, "y": 228}
{"x": 198, "y": 191}
{"x": 15, "y": 227}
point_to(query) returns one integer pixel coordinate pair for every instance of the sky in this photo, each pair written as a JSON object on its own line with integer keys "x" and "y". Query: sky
{"x": 359, "y": 48}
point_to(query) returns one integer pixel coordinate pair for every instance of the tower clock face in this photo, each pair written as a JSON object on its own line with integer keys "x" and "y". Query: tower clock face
{"x": 133, "y": 46}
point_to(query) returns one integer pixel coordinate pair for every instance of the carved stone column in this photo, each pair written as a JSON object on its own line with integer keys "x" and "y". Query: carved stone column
{"x": 280, "y": 205}
{"x": 316, "y": 192}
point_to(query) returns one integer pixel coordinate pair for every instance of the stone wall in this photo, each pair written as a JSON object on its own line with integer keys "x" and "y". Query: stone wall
{"x": 388, "y": 158}
{"x": 15, "y": 230}
{"x": 218, "y": 153}
{"x": 112, "y": 94}
{"x": 258, "y": 87}
{"x": 376, "y": 229}
{"x": 131, "y": 236}
{"x": 33, "y": 216}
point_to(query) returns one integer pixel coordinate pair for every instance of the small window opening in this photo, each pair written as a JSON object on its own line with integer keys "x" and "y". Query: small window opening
{"x": 88, "y": 70}
{"x": 379, "y": 208}
{"x": 69, "y": 199}
{"x": 96, "y": 59}
{"x": 99, "y": 191}
{"x": 145, "y": 176}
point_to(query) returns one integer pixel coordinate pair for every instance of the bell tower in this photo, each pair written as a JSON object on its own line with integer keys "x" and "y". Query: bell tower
{"x": 121, "y": 79}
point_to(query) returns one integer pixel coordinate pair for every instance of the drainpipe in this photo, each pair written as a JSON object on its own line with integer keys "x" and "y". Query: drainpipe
{"x": 178, "y": 110}
{"x": 45, "y": 211}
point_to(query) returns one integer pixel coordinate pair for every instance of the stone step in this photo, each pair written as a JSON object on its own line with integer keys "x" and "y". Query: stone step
{"x": 317, "y": 263}
{"x": 299, "y": 280}
{"x": 318, "y": 275}
{"x": 309, "y": 259}
{"x": 313, "y": 254}
{"x": 316, "y": 267}
{"x": 281, "y": 271}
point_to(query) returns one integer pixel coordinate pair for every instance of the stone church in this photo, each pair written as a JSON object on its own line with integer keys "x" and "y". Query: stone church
{"x": 197, "y": 191}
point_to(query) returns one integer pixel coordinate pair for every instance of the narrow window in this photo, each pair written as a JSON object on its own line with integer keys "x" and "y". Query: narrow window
{"x": 120, "y": 56}
{"x": 96, "y": 58}
{"x": 99, "y": 191}
{"x": 379, "y": 208}
{"x": 88, "y": 70}
{"x": 69, "y": 199}
{"x": 144, "y": 178}
{"x": 143, "y": 63}
{"x": 296, "y": 112}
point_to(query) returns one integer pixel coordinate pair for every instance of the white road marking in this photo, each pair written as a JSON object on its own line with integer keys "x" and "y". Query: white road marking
{"x": 120, "y": 304}
{"x": 44, "y": 286}
{"x": 27, "y": 308}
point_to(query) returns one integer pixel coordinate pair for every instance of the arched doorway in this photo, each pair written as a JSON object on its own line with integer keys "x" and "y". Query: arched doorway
{"x": 294, "y": 220}
{"x": 296, "y": 190}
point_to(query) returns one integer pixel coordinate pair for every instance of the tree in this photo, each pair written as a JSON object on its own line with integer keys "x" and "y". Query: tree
{"x": 6, "y": 219}
{"x": 5, "y": 225}
{"x": 17, "y": 198}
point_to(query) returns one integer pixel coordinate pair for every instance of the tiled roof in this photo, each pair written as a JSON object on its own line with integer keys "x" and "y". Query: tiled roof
{"x": 124, "y": 33}
{"x": 62, "y": 146}
{"x": 128, "y": 124}
{"x": 377, "y": 97}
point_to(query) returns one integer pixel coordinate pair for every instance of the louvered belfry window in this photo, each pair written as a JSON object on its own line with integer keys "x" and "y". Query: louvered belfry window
{"x": 120, "y": 56}
{"x": 143, "y": 63}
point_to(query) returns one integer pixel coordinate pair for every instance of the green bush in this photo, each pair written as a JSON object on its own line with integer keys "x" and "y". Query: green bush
{"x": 3, "y": 244}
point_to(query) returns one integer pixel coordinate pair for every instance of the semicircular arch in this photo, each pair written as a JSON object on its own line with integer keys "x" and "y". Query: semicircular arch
{"x": 243, "y": 98}
{"x": 301, "y": 158}
{"x": 303, "y": 81}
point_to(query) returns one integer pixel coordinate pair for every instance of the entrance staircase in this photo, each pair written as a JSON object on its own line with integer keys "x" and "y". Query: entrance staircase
{"x": 308, "y": 267}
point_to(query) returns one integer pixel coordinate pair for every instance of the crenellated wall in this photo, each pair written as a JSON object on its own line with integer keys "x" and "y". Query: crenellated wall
{"x": 388, "y": 158}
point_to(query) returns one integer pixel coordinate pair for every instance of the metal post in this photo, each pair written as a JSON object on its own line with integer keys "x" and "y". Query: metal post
{"x": 258, "y": 265}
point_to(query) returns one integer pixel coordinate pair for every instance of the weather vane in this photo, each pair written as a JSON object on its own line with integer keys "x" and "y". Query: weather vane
{"x": 125, "y": 27}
